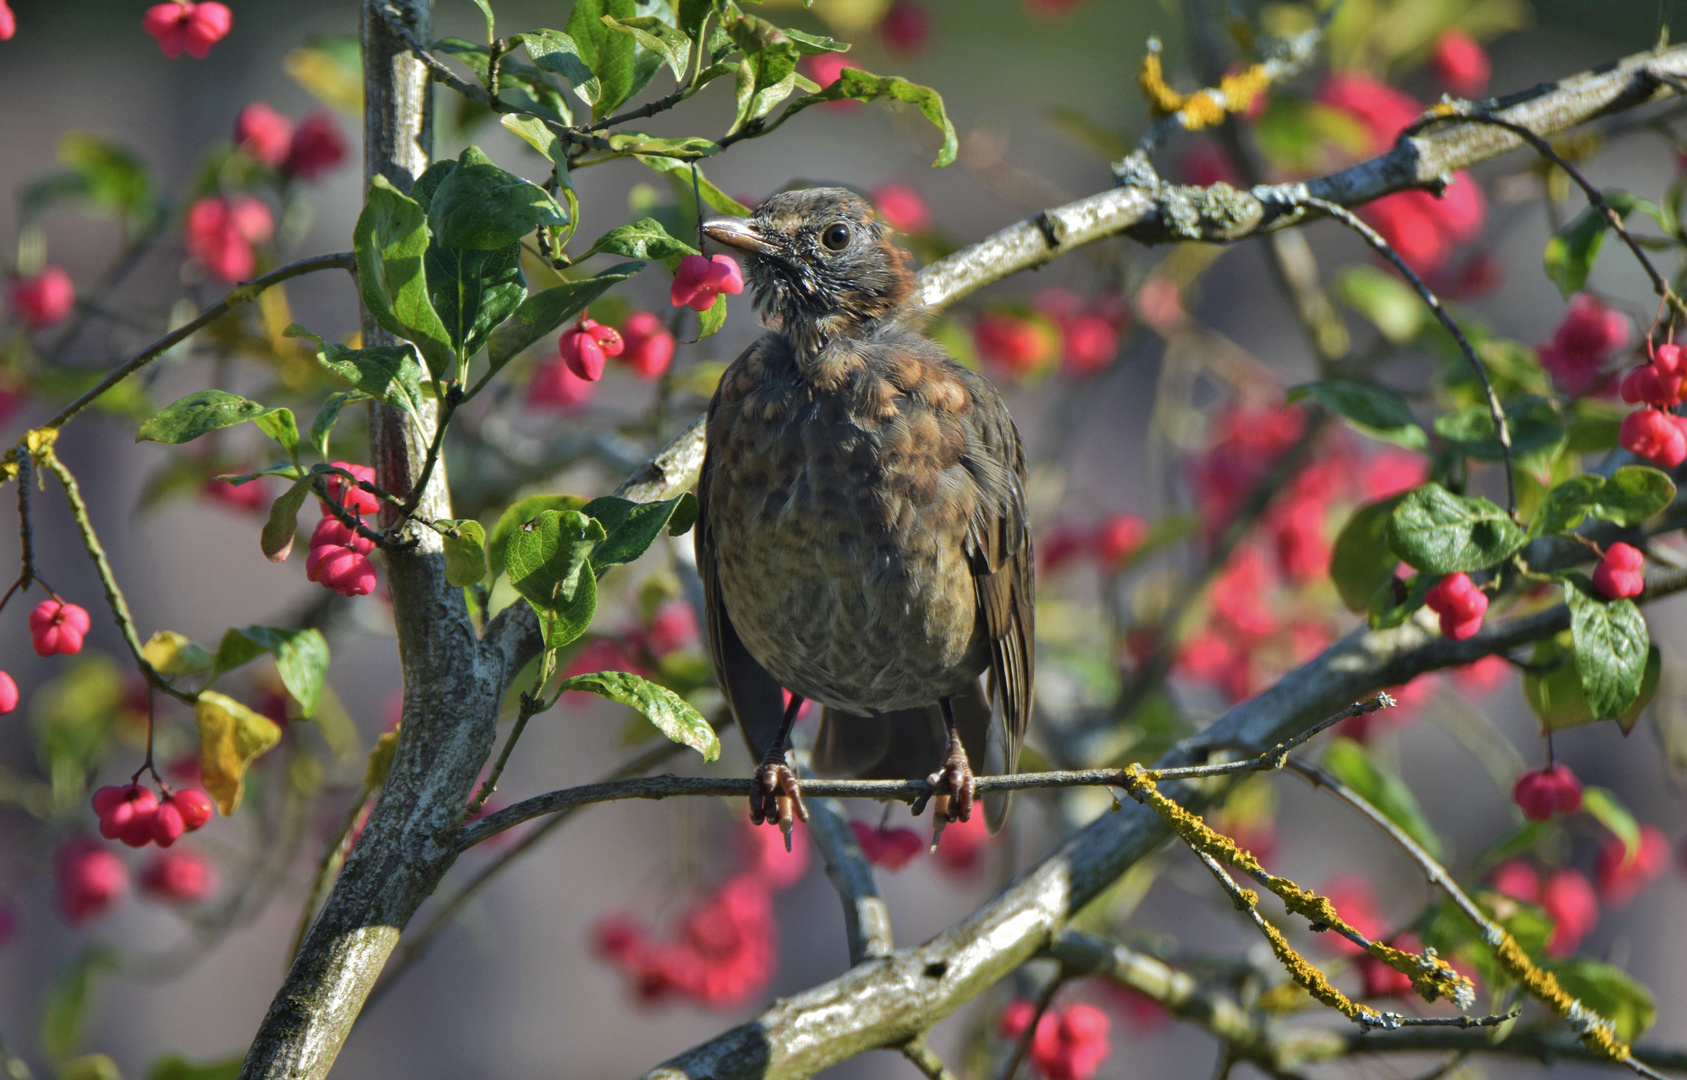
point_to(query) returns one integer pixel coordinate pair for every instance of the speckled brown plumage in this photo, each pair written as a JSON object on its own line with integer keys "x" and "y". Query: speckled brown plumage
{"x": 863, "y": 537}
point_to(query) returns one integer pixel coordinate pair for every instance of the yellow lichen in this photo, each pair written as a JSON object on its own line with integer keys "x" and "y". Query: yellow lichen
{"x": 1544, "y": 986}
{"x": 1204, "y": 108}
{"x": 1162, "y": 99}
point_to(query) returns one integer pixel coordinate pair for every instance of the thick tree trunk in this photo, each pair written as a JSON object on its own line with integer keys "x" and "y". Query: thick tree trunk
{"x": 453, "y": 683}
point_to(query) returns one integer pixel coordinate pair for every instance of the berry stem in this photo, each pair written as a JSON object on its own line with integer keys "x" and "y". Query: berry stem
{"x": 147, "y": 765}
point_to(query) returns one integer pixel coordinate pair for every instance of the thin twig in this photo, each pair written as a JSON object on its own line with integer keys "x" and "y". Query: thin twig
{"x": 925, "y": 1059}
{"x": 1502, "y": 430}
{"x": 1022, "y": 1046}
{"x": 113, "y": 592}
{"x": 240, "y": 294}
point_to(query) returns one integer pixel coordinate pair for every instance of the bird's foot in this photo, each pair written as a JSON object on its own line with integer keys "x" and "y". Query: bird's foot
{"x": 951, "y": 789}
{"x": 777, "y": 799}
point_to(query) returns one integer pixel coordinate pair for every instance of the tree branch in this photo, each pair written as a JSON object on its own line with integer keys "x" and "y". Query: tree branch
{"x": 888, "y": 1001}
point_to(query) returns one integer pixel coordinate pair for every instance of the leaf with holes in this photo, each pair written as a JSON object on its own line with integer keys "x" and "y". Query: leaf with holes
{"x": 1434, "y": 530}
{"x": 548, "y": 563}
{"x": 465, "y": 552}
{"x": 212, "y": 410}
{"x": 632, "y": 527}
{"x": 661, "y": 706}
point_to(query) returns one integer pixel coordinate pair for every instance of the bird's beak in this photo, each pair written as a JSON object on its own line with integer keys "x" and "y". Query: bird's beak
{"x": 739, "y": 233}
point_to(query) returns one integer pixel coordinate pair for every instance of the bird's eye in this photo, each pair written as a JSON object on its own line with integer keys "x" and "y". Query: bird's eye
{"x": 836, "y": 237}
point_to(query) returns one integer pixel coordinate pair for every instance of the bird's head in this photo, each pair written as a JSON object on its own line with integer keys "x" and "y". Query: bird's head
{"x": 820, "y": 263}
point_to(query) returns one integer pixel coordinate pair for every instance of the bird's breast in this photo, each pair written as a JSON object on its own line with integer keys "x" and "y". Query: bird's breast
{"x": 839, "y": 516}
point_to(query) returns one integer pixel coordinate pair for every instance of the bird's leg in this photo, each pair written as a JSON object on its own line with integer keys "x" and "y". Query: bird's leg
{"x": 953, "y": 785}
{"x": 776, "y": 797}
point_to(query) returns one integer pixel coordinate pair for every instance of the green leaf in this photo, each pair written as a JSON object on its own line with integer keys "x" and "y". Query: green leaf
{"x": 1610, "y": 992}
{"x": 1571, "y": 250}
{"x": 322, "y": 427}
{"x": 176, "y": 1067}
{"x": 712, "y": 318}
{"x": 276, "y": 539}
{"x": 768, "y": 73}
{"x": 1441, "y": 533}
{"x": 465, "y": 553}
{"x": 64, "y": 1008}
{"x": 480, "y": 207}
{"x": 547, "y": 561}
{"x": 1361, "y": 561}
{"x": 1349, "y": 763}
{"x": 858, "y": 85}
{"x": 1533, "y": 421}
{"x": 610, "y": 54}
{"x": 643, "y": 239}
{"x": 175, "y": 654}
{"x": 89, "y": 1067}
{"x": 1611, "y": 649}
{"x": 301, "y": 659}
{"x": 688, "y": 147}
{"x": 1609, "y": 811}
{"x": 815, "y": 44}
{"x": 387, "y": 373}
{"x": 661, "y": 706}
{"x": 391, "y": 239}
{"x": 662, "y": 38}
{"x": 1376, "y": 412}
{"x": 1629, "y": 496}
{"x": 109, "y": 177}
{"x": 544, "y": 311}
{"x": 474, "y": 290}
{"x": 1389, "y": 303}
{"x": 631, "y": 527}
{"x": 557, "y": 53}
{"x": 539, "y": 136}
{"x": 681, "y": 171}
{"x": 518, "y": 515}
{"x": 212, "y": 410}
{"x": 231, "y": 737}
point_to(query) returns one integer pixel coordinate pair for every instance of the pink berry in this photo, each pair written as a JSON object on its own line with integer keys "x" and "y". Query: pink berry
{"x": 354, "y": 499}
{"x": 1552, "y": 791}
{"x": 347, "y": 572}
{"x": 582, "y": 353}
{"x": 826, "y": 69}
{"x": 45, "y": 299}
{"x": 8, "y": 693}
{"x": 906, "y": 28}
{"x": 57, "y": 627}
{"x": 332, "y": 532}
{"x": 167, "y": 824}
{"x": 556, "y": 388}
{"x": 179, "y": 876}
{"x": 316, "y": 147}
{"x": 219, "y": 234}
{"x": 194, "y": 806}
{"x": 90, "y": 877}
{"x": 263, "y": 133}
{"x": 607, "y": 337}
{"x": 1569, "y": 898}
{"x": 1088, "y": 343}
{"x": 1010, "y": 341}
{"x": 1619, "y": 877}
{"x": 699, "y": 281}
{"x": 1459, "y": 603}
{"x": 902, "y": 208}
{"x": 8, "y": 22}
{"x": 1517, "y": 879}
{"x": 1460, "y": 63}
{"x": 1118, "y": 537}
{"x": 1654, "y": 436}
{"x": 649, "y": 347}
{"x": 673, "y": 627}
{"x": 1619, "y": 573}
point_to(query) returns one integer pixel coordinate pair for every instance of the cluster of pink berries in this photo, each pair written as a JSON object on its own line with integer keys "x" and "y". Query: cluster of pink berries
{"x": 1459, "y": 603}
{"x": 642, "y": 345}
{"x": 699, "y": 282}
{"x": 890, "y": 848}
{"x": 181, "y": 26}
{"x": 90, "y": 878}
{"x": 585, "y": 347}
{"x": 133, "y": 814}
{"x": 1085, "y": 337}
{"x": 1565, "y": 895}
{"x": 1111, "y": 543}
{"x": 339, "y": 557}
{"x": 726, "y": 945}
{"x": 221, "y": 230}
{"x": 1654, "y": 432}
{"x": 307, "y": 150}
{"x": 1069, "y": 1043}
{"x": 1544, "y": 795}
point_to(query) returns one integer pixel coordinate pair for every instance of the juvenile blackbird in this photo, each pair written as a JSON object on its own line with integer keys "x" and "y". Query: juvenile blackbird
{"x": 862, "y": 539}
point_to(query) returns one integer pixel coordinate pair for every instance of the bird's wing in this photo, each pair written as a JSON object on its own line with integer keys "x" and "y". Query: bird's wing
{"x": 755, "y": 697}
{"x": 1000, "y": 553}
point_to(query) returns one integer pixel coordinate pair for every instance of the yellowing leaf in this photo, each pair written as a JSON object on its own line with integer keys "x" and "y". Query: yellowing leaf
{"x": 231, "y": 737}
{"x": 174, "y": 654}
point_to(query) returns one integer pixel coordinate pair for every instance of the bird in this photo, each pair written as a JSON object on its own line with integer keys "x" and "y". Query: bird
{"x": 862, "y": 537}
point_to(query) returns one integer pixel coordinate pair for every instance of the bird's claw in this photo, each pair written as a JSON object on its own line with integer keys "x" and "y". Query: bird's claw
{"x": 777, "y": 799}
{"x": 951, "y": 789}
